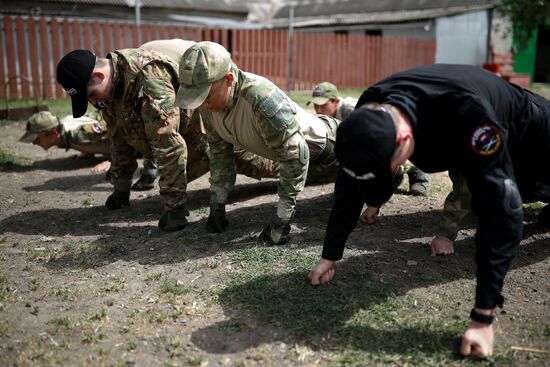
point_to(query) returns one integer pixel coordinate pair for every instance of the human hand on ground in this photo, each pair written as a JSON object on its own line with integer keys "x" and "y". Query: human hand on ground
{"x": 441, "y": 246}
{"x": 478, "y": 340}
{"x": 370, "y": 215}
{"x": 101, "y": 167}
{"x": 322, "y": 272}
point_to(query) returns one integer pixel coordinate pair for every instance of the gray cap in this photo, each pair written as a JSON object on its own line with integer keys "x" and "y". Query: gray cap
{"x": 38, "y": 123}
{"x": 201, "y": 65}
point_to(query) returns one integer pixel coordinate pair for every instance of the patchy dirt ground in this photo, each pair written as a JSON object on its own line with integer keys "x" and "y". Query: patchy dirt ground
{"x": 85, "y": 286}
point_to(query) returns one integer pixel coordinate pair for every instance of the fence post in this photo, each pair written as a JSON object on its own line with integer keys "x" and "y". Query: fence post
{"x": 290, "y": 46}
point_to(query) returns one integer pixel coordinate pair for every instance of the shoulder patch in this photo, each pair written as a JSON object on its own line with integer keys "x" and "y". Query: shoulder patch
{"x": 96, "y": 128}
{"x": 276, "y": 108}
{"x": 486, "y": 140}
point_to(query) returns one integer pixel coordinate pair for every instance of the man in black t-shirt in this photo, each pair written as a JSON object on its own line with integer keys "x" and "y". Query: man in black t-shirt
{"x": 443, "y": 117}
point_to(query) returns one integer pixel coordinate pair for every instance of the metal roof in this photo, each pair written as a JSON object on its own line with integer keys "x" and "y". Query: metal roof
{"x": 214, "y": 5}
{"x": 308, "y": 8}
{"x": 375, "y": 17}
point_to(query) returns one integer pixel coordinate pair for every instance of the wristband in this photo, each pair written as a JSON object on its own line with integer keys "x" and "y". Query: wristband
{"x": 484, "y": 319}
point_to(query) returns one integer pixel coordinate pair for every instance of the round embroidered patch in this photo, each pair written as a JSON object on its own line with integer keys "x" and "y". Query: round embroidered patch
{"x": 96, "y": 128}
{"x": 486, "y": 140}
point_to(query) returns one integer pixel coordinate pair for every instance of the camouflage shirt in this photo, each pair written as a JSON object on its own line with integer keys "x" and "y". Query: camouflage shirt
{"x": 345, "y": 107}
{"x": 260, "y": 118}
{"x": 85, "y": 134}
{"x": 141, "y": 116}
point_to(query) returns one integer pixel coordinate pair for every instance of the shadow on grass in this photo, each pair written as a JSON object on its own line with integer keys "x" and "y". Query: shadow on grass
{"x": 360, "y": 310}
{"x": 130, "y": 234}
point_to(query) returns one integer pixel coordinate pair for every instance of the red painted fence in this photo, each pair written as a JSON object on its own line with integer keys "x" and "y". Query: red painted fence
{"x": 30, "y": 48}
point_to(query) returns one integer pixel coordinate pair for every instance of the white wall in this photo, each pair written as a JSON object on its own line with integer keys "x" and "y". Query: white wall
{"x": 462, "y": 39}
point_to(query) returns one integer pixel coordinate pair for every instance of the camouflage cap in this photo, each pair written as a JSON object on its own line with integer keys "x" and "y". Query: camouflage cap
{"x": 322, "y": 93}
{"x": 38, "y": 123}
{"x": 201, "y": 65}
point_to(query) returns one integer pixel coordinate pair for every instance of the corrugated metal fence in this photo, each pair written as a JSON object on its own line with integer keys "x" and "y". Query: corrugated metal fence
{"x": 30, "y": 48}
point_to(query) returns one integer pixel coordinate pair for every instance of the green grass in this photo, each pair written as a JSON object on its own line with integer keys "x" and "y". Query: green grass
{"x": 358, "y": 318}
{"x": 172, "y": 286}
{"x": 7, "y": 161}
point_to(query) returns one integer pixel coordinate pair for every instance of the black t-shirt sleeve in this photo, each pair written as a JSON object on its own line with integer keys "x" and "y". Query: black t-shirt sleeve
{"x": 343, "y": 217}
{"x": 488, "y": 169}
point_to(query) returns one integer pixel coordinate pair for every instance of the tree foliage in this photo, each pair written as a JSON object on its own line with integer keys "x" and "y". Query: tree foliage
{"x": 526, "y": 16}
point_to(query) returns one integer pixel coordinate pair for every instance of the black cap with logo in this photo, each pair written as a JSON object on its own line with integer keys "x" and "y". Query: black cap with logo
{"x": 73, "y": 73}
{"x": 365, "y": 144}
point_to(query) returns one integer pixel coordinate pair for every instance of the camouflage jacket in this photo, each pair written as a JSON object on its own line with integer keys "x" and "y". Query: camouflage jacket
{"x": 345, "y": 107}
{"x": 85, "y": 134}
{"x": 261, "y": 119}
{"x": 141, "y": 116}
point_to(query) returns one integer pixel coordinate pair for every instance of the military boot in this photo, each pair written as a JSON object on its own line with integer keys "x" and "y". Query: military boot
{"x": 147, "y": 179}
{"x": 419, "y": 182}
{"x": 145, "y": 182}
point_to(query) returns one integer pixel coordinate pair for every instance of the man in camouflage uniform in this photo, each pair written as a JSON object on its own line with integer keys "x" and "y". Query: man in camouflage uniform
{"x": 247, "y": 110}
{"x": 87, "y": 134}
{"x": 135, "y": 90}
{"x": 457, "y": 207}
{"x": 327, "y": 101}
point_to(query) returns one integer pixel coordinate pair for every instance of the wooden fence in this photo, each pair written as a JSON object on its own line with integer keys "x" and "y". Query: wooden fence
{"x": 30, "y": 48}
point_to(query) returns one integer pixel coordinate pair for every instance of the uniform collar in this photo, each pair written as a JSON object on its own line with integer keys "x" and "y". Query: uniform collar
{"x": 118, "y": 84}
{"x": 235, "y": 86}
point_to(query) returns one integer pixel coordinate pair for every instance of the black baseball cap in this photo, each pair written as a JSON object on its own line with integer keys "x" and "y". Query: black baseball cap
{"x": 73, "y": 73}
{"x": 365, "y": 145}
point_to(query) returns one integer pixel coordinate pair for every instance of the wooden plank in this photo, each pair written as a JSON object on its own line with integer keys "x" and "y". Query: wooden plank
{"x": 144, "y": 33}
{"x": 56, "y": 53}
{"x": 127, "y": 32}
{"x": 47, "y": 74}
{"x": 77, "y": 37}
{"x": 87, "y": 36}
{"x": 171, "y": 31}
{"x": 33, "y": 48}
{"x": 256, "y": 49}
{"x": 225, "y": 39}
{"x": 2, "y": 70}
{"x": 236, "y": 46}
{"x": 182, "y": 34}
{"x": 107, "y": 38}
{"x": 117, "y": 36}
{"x": 68, "y": 44}
{"x": 269, "y": 54}
{"x": 97, "y": 44}
{"x": 22, "y": 58}
{"x": 135, "y": 36}
{"x": 10, "y": 58}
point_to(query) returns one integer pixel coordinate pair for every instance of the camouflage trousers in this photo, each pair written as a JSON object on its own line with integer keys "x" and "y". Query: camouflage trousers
{"x": 248, "y": 164}
{"x": 419, "y": 181}
{"x": 456, "y": 207}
